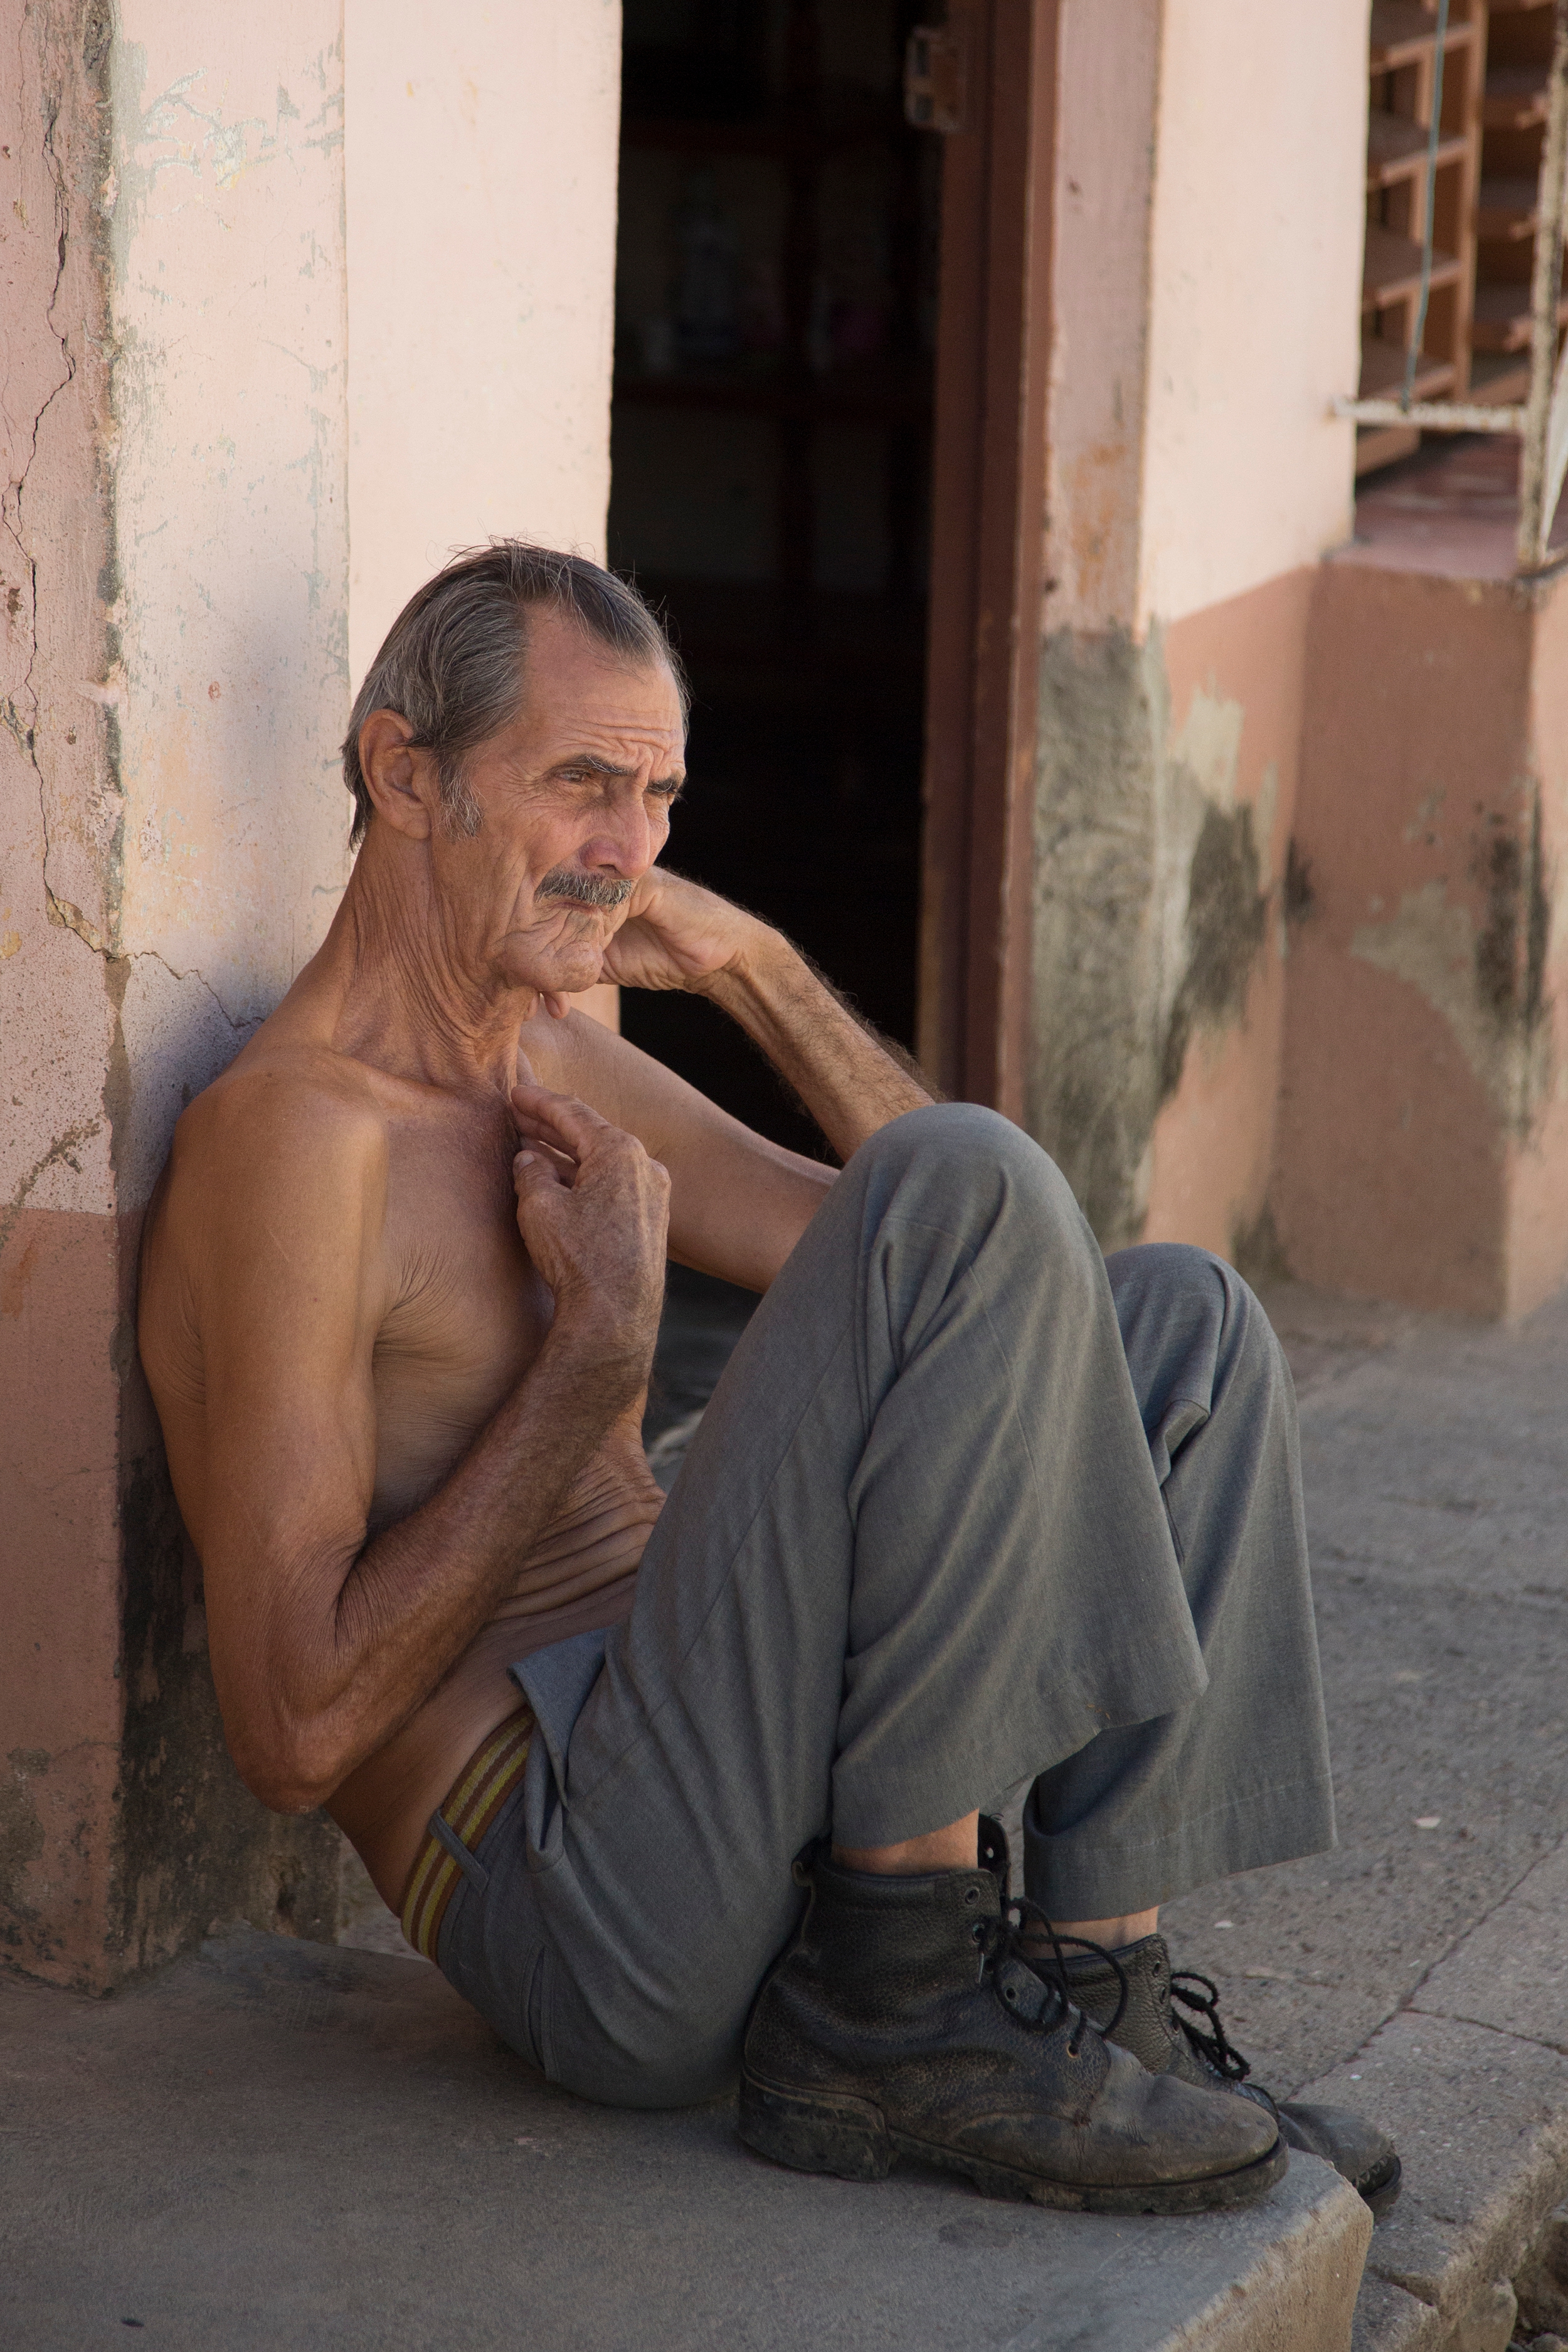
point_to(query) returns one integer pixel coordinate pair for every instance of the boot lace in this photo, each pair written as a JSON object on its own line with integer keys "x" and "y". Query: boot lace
{"x": 1215, "y": 2046}
{"x": 1001, "y": 1938}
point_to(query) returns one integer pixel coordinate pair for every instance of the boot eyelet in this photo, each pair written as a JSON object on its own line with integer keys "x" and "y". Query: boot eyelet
{"x": 977, "y": 1931}
{"x": 1010, "y": 1995}
{"x": 972, "y": 1894}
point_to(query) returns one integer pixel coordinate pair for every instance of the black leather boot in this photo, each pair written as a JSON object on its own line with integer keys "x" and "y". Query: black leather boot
{"x": 1151, "y": 2026}
{"x": 901, "y": 2022}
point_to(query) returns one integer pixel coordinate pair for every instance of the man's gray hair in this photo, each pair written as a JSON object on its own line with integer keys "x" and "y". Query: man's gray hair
{"x": 452, "y": 662}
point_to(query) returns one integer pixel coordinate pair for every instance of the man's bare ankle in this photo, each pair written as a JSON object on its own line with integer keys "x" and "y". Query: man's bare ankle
{"x": 957, "y": 1847}
{"x": 1131, "y": 1927}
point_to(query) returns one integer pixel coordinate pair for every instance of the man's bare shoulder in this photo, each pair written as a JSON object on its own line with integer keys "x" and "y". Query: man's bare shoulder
{"x": 288, "y": 1093}
{"x": 300, "y": 1122}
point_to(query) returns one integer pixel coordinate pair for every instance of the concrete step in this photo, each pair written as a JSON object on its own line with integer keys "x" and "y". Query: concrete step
{"x": 275, "y": 2143}
{"x": 1471, "y": 2079}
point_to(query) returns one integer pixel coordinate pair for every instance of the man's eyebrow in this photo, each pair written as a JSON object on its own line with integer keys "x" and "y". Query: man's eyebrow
{"x": 597, "y": 767}
{"x": 591, "y": 761}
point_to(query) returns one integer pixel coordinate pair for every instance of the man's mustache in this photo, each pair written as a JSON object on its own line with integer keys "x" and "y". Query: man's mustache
{"x": 584, "y": 889}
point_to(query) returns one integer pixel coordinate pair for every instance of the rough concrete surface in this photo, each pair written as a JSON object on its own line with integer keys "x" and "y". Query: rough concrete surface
{"x": 278, "y": 2144}
{"x": 1419, "y": 1968}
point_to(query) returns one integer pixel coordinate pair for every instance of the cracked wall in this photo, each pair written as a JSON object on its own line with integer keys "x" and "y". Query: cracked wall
{"x": 172, "y": 635}
{"x": 175, "y": 625}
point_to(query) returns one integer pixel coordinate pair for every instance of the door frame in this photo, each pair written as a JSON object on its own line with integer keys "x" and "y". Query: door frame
{"x": 988, "y": 554}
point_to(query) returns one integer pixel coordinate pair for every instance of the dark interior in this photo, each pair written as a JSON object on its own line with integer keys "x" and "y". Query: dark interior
{"x": 776, "y": 300}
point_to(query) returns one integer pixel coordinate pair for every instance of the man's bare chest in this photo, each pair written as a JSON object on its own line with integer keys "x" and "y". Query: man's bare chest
{"x": 464, "y": 1310}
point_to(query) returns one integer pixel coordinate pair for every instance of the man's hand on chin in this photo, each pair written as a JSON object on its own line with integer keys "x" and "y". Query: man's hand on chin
{"x": 678, "y": 935}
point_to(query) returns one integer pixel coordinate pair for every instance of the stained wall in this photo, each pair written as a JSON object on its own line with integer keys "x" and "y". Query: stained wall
{"x": 1424, "y": 1126}
{"x": 188, "y": 464}
{"x": 1207, "y": 263}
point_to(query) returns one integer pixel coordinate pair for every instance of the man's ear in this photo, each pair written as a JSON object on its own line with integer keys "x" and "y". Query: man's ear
{"x": 400, "y": 778}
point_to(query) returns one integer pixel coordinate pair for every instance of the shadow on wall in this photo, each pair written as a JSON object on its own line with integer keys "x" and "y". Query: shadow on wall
{"x": 193, "y": 1846}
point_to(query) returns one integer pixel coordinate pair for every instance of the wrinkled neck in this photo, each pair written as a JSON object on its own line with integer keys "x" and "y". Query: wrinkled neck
{"x": 413, "y": 995}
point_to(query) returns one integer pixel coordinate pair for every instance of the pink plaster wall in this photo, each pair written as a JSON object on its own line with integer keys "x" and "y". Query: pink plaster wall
{"x": 59, "y": 1558}
{"x": 1423, "y": 1150}
{"x": 1196, "y": 473}
{"x": 479, "y": 168}
{"x": 174, "y": 675}
{"x": 480, "y": 186}
{"x": 1538, "y": 1235}
{"x": 60, "y": 1697}
{"x": 1213, "y": 1142}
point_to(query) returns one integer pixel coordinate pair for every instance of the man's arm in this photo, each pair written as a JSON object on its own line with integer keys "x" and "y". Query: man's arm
{"x": 678, "y": 935}
{"x": 324, "y": 1643}
{"x": 849, "y": 1079}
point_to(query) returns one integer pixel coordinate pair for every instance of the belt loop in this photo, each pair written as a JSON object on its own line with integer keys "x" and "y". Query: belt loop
{"x": 474, "y": 1870}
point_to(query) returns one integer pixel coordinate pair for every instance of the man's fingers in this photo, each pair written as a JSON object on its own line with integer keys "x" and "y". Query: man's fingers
{"x": 563, "y": 1163}
{"x": 561, "y": 1119}
{"x": 533, "y": 1170}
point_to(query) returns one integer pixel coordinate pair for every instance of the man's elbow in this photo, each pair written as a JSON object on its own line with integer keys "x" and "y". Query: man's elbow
{"x": 294, "y": 1775}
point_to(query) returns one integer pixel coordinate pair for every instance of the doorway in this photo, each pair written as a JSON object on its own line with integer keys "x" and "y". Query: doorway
{"x": 775, "y": 340}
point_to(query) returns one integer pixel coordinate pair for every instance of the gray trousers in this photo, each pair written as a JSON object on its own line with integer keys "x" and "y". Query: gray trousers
{"x": 969, "y": 1507}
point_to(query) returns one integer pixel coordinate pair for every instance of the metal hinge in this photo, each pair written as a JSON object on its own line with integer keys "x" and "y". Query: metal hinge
{"x": 934, "y": 79}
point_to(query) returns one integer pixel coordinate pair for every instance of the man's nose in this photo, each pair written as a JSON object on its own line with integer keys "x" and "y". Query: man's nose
{"x": 624, "y": 841}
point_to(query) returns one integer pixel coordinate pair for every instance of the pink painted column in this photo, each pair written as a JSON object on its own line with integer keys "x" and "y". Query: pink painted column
{"x": 1423, "y": 1150}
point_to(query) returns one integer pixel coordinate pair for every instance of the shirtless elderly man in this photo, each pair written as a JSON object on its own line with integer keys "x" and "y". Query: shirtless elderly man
{"x": 674, "y": 1789}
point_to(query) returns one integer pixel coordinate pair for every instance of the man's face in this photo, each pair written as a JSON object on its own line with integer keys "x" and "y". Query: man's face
{"x": 573, "y": 801}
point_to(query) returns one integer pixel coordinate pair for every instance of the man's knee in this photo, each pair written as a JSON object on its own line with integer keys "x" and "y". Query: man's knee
{"x": 1171, "y": 1291}
{"x": 969, "y": 1161}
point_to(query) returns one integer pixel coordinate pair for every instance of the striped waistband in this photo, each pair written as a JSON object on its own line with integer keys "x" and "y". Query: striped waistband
{"x": 471, "y": 1805}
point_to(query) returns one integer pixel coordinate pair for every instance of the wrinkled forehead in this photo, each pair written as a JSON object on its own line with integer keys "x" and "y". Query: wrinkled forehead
{"x": 575, "y": 686}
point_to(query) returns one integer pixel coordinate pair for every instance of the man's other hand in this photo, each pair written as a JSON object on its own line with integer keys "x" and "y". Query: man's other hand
{"x": 678, "y": 935}
{"x": 593, "y": 1208}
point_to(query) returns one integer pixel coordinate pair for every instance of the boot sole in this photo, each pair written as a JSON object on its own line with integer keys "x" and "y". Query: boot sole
{"x": 1383, "y": 2195}
{"x": 850, "y": 2137}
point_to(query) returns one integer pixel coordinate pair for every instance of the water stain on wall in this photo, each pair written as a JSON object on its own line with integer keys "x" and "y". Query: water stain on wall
{"x": 1227, "y": 915}
{"x": 21, "y": 1840}
{"x": 193, "y": 1843}
{"x": 1152, "y": 903}
{"x": 1480, "y": 961}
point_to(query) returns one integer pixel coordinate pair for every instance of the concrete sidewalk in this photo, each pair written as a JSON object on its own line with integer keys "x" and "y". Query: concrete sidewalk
{"x": 1422, "y": 1969}
{"x": 278, "y": 2146}
{"x": 283, "y": 2143}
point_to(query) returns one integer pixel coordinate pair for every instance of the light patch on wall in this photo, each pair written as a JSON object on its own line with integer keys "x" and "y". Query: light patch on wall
{"x": 228, "y": 508}
{"x": 1208, "y": 743}
{"x": 1431, "y": 943}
